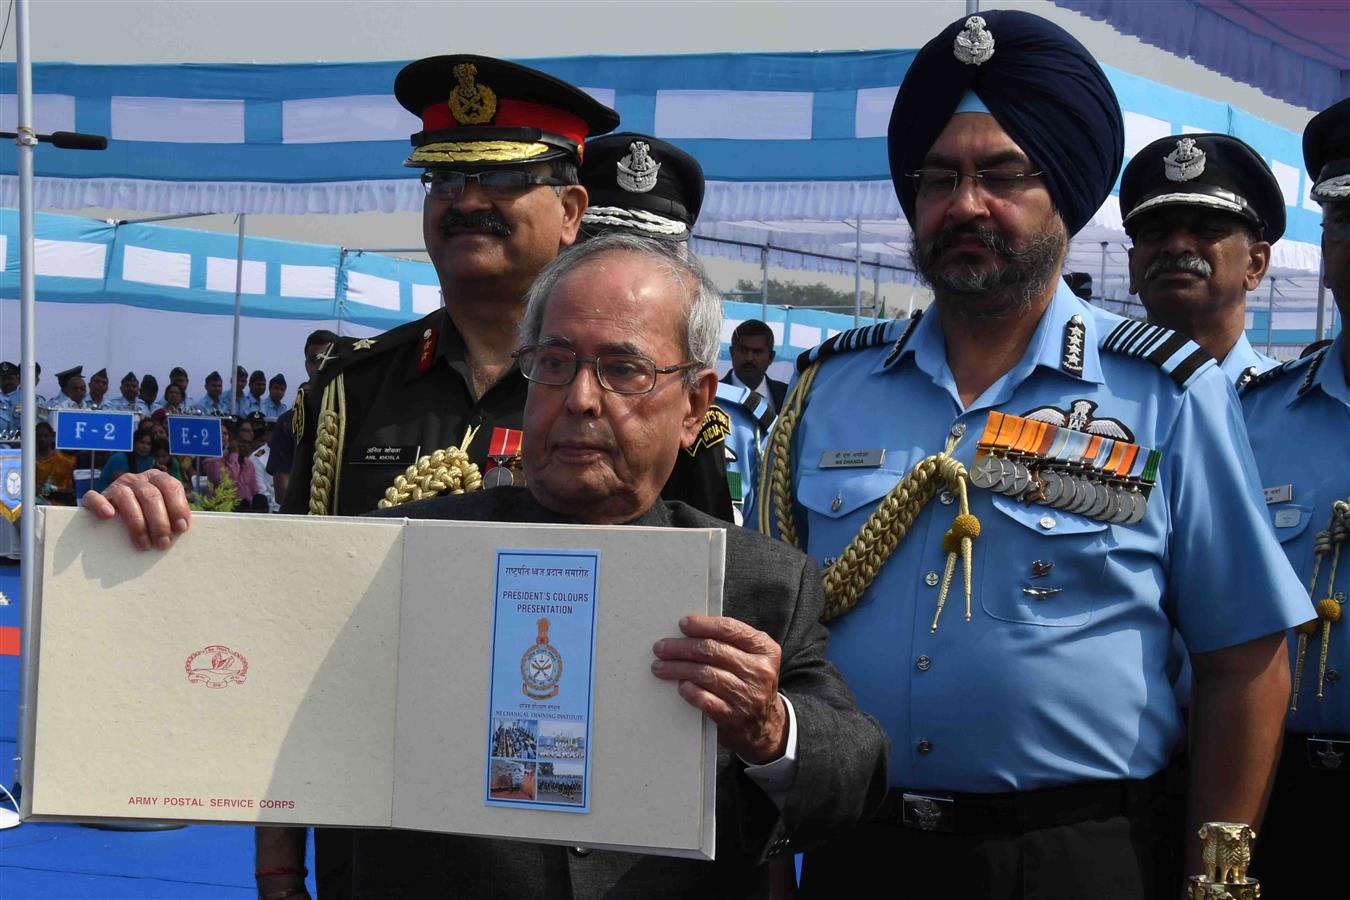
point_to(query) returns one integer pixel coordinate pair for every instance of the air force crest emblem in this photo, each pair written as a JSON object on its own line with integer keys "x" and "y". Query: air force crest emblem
{"x": 1187, "y": 161}
{"x": 974, "y": 45}
{"x": 1080, "y": 418}
{"x": 637, "y": 171}
{"x": 541, "y": 667}
{"x": 471, "y": 103}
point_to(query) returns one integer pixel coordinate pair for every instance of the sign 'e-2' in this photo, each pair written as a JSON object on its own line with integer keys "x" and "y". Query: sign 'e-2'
{"x": 194, "y": 436}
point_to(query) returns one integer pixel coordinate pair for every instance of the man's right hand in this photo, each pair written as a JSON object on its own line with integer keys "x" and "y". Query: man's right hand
{"x": 152, "y": 505}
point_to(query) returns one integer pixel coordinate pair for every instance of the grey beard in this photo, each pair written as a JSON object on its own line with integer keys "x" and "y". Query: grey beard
{"x": 1006, "y": 289}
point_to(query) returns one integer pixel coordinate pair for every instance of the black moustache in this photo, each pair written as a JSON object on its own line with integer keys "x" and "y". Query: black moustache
{"x": 486, "y": 220}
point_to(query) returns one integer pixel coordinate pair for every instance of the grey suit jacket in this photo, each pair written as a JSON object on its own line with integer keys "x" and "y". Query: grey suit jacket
{"x": 841, "y": 754}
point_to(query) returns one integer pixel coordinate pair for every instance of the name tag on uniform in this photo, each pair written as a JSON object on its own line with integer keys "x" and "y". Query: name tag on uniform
{"x": 1280, "y": 493}
{"x": 852, "y": 459}
{"x": 384, "y": 455}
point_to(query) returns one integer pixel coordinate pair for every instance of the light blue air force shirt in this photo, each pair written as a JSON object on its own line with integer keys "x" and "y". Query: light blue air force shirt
{"x": 1299, "y": 422}
{"x": 217, "y": 407}
{"x": 122, "y": 404}
{"x": 271, "y": 409}
{"x": 1073, "y": 687}
{"x": 744, "y": 442}
{"x": 1243, "y": 362}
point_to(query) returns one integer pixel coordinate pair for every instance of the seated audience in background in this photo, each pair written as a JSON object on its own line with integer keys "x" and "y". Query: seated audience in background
{"x": 164, "y": 460}
{"x": 213, "y": 402}
{"x": 252, "y": 400}
{"x": 55, "y": 470}
{"x": 175, "y": 404}
{"x": 235, "y": 463}
{"x": 274, "y": 404}
{"x": 150, "y": 392}
{"x": 98, "y": 389}
{"x": 130, "y": 399}
{"x": 138, "y": 460}
{"x": 179, "y": 376}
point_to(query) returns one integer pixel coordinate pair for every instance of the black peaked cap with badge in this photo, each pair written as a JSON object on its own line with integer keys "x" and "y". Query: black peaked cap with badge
{"x": 1206, "y": 171}
{"x": 480, "y": 111}
{"x": 641, "y": 184}
{"x": 1326, "y": 152}
{"x": 1039, "y": 83}
{"x": 66, "y": 375}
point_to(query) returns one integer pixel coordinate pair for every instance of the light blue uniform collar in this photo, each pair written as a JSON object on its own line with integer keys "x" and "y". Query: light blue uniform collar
{"x": 1242, "y": 356}
{"x": 927, "y": 345}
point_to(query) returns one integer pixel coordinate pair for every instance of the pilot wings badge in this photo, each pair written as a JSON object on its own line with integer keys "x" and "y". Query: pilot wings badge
{"x": 1080, "y": 418}
{"x": 1187, "y": 161}
{"x": 974, "y": 45}
{"x": 638, "y": 171}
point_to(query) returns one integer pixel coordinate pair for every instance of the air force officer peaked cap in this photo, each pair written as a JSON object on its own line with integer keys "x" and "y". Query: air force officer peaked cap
{"x": 1326, "y": 152}
{"x": 483, "y": 111}
{"x": 1216, "y": 172}
{"x": 1042, "y": 87}
{"x": 641, "y": 184}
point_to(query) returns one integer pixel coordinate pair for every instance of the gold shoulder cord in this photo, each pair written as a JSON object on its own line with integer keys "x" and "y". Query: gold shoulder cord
{"x": 445, "y": 471}
{"x": 853, "y": 572}
{"x": 329, "y": 434}
{"x": 1328, "y": 543}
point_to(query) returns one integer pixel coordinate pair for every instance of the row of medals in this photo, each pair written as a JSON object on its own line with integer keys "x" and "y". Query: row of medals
{"x": 505, "y": 473}
{"x": 1073, "y": 487}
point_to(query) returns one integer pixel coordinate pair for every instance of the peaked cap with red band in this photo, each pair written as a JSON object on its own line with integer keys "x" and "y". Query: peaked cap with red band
{"x": 483, "y": 111}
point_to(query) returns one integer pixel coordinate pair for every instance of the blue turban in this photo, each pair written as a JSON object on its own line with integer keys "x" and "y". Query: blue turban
{"x": 1039, "y": 83}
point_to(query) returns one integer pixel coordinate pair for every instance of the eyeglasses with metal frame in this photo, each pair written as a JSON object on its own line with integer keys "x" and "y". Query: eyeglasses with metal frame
{"x": 618, "y": 373}
{"x": 499, "y": 184}
{"x": 934, "y": 184}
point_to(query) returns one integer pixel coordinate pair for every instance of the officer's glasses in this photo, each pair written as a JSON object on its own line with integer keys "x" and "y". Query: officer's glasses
{"x": 936, "y": 184}
{"x": 499, "y": 184}
{"x": 620, "y": 373}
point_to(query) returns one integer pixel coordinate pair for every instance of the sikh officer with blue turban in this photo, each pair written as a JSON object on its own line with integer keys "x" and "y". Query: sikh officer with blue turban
{"x": 1018, "y": 497}
{"x": 1299, "y": 419}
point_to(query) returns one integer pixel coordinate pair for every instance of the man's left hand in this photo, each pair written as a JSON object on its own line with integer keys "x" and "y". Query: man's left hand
{"x": 729, "y": 671}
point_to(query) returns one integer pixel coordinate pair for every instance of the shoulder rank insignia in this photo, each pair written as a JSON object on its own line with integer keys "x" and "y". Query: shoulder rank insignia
{"x": 716, "y": 426}
{"x": 1071, "y": 357}
{"x": 854, "y": 339}
{"x": 758, "y": 408}
{"x": 1270, "y": 376}
{"x": 1312, "y": 371}
{"x": 326, "y": 357}
{"x": 364, "y": 344}
{"x": 1174, "y": 353}
{"x": 1247, "y": 375}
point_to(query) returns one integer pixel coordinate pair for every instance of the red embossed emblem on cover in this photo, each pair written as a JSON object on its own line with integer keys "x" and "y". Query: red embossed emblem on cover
{"x": 216, "y": 666}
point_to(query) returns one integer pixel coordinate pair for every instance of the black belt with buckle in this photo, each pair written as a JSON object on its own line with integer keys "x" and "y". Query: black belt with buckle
{"x": 1018, "y": 811}
{"x": 1325, "y": 753}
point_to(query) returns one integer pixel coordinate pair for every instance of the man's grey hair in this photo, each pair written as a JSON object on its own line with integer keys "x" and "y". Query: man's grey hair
{"x": 703, "y": 309}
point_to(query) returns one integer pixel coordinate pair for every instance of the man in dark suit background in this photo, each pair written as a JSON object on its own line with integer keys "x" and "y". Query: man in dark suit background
{"x": 751, "y": 355}
{"x": 618, "y": 341}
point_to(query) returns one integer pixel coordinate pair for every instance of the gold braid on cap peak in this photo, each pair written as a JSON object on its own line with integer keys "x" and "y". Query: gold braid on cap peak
{"x": 478, "y": 151}
{"x": 848, "y": 578}
{"x": 445, "y": 471}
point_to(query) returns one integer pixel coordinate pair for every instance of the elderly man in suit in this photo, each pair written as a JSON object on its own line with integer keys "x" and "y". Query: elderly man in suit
{"x": 618, "y": 341}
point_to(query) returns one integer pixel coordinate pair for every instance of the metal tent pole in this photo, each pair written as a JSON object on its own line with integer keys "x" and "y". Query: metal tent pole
{"x": 1321, "y": 299}
{"x": 233, "y": 379}
{"x": 26, "y": 139}
{"x": 857, "y": 269}
{"x": 1101, "y": 288}
{"x": 876, "y": 290}
{"x": 764, "y": 283}
{"x": 1270, "y": 317}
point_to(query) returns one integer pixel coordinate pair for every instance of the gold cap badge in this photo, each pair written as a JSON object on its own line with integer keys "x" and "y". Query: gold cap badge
{"x": 471, "y": 103}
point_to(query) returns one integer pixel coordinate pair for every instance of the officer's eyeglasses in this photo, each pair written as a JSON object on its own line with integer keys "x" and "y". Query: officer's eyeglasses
{"x": 935, "y": 184}
{"x": 619, "y": 373}
{"x": 499, "y": 184}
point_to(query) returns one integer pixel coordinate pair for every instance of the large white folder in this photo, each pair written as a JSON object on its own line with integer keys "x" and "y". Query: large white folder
{"x": 333, "y": 671}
